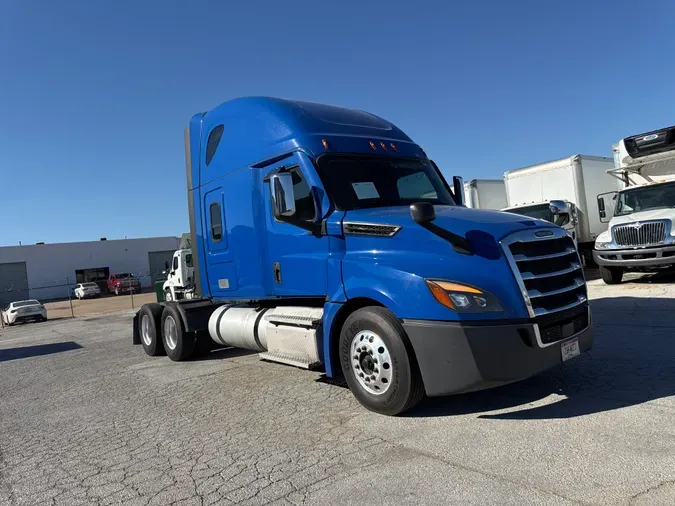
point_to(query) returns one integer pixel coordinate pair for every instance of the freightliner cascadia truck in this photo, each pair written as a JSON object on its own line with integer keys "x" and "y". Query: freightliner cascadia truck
{"x": 325, "y": 238}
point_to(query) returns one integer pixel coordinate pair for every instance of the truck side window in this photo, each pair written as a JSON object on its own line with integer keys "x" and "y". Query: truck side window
{"x": 175, "y": 263}
{"x": 216, "y": 222}
{"x": 212, "y": 144}
{"x": 304, "y": 202}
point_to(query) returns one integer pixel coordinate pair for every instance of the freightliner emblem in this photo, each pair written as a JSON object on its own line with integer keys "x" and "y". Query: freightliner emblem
{"x": 636, "y": 225}
{"x": 543, "y": 233}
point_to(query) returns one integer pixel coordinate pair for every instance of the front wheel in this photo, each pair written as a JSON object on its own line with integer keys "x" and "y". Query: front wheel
{"x": 378, "y": 362}
{"x": 611, "y": 275}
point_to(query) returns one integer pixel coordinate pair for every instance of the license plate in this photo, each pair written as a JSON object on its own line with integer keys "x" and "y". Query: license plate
{"x": 570, "y": 349}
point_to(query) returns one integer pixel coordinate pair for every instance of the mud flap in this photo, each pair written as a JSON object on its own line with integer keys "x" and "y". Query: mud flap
{"x": 136, "y": 339}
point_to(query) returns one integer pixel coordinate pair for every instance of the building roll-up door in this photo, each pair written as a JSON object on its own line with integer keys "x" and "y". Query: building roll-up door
{"x": 13, "y": 282}
{"x": 156, "y": 261}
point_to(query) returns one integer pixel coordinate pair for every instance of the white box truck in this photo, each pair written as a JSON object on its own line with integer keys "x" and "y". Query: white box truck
{"x": 575, "y": 181}
{"x": 640, "y": 235}
{"x": 485, "y": 194}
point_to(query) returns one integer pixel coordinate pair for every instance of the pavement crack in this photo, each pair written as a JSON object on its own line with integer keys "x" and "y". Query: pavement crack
{"x": 650, "y": 490}
{"x": 489, "y": 474}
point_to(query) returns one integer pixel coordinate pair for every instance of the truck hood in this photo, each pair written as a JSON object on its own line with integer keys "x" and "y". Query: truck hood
{"x": 653, "y": 214}
{"x": 392, "y": 268}
{"x": 459, "y": 220}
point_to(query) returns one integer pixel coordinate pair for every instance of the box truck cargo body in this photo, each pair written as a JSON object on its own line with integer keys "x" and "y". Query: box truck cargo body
{"x": 485, "y": 194}
{"x": 577, "y": 180}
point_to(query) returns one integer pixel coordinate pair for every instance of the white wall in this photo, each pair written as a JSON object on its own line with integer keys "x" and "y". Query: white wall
{"x": 49, "y": 265}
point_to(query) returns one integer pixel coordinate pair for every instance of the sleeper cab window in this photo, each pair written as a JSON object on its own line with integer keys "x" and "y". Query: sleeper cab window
{"x": 212, "y": 143}
{"x": 216, "y": 222}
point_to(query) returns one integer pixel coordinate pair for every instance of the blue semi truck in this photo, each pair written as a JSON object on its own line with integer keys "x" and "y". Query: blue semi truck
{"x": 325, "y": 238}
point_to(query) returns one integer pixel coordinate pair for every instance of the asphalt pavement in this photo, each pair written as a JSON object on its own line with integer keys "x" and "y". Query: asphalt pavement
{"x": 87, "y": 418}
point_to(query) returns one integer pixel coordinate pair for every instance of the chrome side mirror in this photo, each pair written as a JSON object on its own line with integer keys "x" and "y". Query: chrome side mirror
{"x": 283, "y": 198}
{"x": 559, "y": 207}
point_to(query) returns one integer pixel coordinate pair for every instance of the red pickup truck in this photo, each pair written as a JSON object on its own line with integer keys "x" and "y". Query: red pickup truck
{"x": 123, "y": 283}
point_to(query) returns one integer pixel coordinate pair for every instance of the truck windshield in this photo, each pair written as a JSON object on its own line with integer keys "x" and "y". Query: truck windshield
{"x": 658, "y": 196}
{"x": 358, "y": 182}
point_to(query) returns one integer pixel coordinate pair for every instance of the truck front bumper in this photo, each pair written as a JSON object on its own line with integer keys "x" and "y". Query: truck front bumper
{"x": 459, "y": 357}
{"x": 661, "y": 256}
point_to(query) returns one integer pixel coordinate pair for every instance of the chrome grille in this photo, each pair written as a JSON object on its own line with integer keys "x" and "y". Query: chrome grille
{"x": 648, "y": 233}
{"x": 547, "y": 269}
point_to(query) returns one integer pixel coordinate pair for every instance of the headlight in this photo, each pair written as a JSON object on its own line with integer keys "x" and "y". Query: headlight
{"x": 463, "y": 298}
{"x": 603, "y": 241}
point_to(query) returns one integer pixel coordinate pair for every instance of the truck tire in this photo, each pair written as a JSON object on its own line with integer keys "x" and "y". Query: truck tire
{"x": 611, "y": 275}
{"x": 179, "y": 344}
{"x": 149, "y": 325}
{"x": 378, "y": 362}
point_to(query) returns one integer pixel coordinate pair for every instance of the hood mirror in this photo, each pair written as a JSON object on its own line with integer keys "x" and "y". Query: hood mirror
{"x": 422, "y": 212}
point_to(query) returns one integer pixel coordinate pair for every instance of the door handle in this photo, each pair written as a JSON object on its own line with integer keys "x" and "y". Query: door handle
{"x": 276, "y": 267}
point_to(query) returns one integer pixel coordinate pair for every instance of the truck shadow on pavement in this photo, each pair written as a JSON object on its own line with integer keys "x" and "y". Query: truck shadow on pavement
{"x": 224, "y": 353}
{"x": 632, "y": 362}
{"x": 37, "y": 350}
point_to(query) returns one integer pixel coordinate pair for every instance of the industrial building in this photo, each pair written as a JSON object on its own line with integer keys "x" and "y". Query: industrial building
{"x": 49, "y": 271}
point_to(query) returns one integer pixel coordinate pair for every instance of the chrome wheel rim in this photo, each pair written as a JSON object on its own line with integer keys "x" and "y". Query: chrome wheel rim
{"x": 145, "y": 330}
{"x": 170, "y": 333}
{"x": 371, "y": 362}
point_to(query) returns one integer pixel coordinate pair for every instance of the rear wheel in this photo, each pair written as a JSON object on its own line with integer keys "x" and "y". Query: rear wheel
{"x": 179, "y": 344}
{"x": 611, "y": 275}
{"x": 378, "y": 362}
{"x": 149, "y": 323}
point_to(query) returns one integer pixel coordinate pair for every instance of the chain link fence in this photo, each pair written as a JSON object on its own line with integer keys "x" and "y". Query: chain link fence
{"x": 60, "y": 296}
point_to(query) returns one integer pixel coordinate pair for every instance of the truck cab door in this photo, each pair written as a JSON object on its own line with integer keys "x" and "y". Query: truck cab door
{"x": 606, "y": 204}
{"x": 175, "y": 269}
{"x": 297, "y": 256}
{"x": 220, "y": 266}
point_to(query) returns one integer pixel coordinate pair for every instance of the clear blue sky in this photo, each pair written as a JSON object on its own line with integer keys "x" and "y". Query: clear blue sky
{"x": 94, "y": 95}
